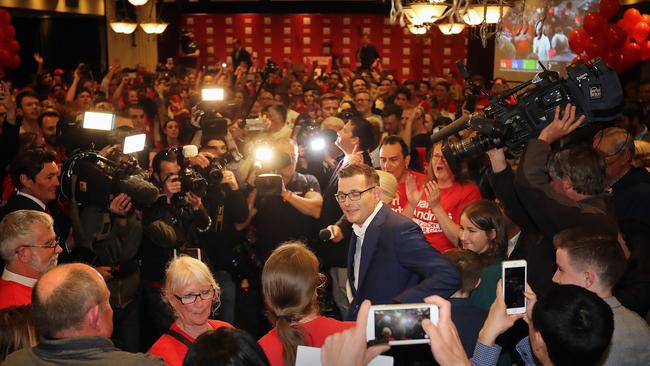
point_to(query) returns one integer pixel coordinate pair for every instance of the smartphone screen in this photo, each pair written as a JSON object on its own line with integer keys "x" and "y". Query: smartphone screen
{"x": 401, "y": 324}
{"x": 514, "y": 285}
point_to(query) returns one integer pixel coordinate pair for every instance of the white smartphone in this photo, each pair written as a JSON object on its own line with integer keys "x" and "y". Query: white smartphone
{"x": 514, "y": 275}
{"x": 400, "y": 324}
{"x": 192, "y": 252}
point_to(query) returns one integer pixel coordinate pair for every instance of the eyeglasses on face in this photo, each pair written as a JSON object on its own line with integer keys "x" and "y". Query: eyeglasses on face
{"x": 49, "y": 245}
{"x": 354, "y": 196}
{"x": 191, "y": 298}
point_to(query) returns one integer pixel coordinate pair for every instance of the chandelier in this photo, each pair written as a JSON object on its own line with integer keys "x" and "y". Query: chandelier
{"x": 127, "y": 26}
{"x": 451, "y": 16}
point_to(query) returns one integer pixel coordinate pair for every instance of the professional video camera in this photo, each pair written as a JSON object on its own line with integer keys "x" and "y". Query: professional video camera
{"x": 311, "y": 136}
{"x": 92, "y": 178}
{"x": 592, "y": 87}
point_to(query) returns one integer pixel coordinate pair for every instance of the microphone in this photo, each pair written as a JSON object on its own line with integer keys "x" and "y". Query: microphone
{"x": 326, "y": 234}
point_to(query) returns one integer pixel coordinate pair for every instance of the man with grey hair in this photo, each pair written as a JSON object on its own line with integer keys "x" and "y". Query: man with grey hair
{"x": 29, "y": 248}
{"x": 73, "y": 316}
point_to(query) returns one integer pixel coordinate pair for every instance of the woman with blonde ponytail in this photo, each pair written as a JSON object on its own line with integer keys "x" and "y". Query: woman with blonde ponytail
{"x": 290, "y": 280}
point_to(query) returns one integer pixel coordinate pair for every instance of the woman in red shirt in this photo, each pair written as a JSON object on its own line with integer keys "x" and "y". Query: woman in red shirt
{"x": 192, "y": 292}
{"x": 290, "y": 280}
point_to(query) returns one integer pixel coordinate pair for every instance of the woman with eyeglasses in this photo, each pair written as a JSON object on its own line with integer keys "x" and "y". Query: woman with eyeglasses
{"x": 290, "y": 281}
{"x": 192, "y": 293}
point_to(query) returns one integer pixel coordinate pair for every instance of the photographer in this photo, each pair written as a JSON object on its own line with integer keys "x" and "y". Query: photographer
{"x": 226, "y": 205}
{"x": 292, "y": 214}
{"x": 172, "y": 222}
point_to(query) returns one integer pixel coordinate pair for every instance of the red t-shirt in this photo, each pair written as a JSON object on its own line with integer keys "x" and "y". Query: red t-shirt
{"x": 452, "y": 200}
{"x": 315, "y": 332}
{"x": 14, "y": 294}
{"x": 173, "y": 351}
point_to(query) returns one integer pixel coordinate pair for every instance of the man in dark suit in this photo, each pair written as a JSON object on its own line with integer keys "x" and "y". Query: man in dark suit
{"x": 389, "y": 260}
{"x": 355, "y": 139}
{"x": 240, "y": 55}
{"x": 36, "y": 177}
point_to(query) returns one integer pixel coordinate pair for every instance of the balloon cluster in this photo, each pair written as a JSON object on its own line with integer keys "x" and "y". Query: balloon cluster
{"x": 621, "y": 45}
{"x": 8, "y": 45}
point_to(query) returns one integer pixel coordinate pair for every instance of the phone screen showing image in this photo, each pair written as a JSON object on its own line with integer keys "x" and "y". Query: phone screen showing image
{"x": 515, "y": 283}
{"x": 401, "y": 324}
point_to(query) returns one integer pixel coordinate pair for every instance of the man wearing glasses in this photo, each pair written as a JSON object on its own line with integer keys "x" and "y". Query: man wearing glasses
{"x": 29, "y": 248}
{"x": 389, "y": 260}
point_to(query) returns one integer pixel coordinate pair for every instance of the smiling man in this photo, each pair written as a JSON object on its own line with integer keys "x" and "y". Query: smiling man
{"x": 36, "y": 177}
{"x": 389, "y": 260}
{"x": 29, "y": 248}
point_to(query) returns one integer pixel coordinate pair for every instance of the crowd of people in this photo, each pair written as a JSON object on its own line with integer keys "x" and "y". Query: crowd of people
{"x": 190, "y": 255}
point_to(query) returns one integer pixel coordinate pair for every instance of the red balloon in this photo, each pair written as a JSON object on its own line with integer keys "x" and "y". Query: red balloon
{"x": 5, "y": 17}
{"x": 615, "y": 36}
{"x": 613, "y": 58}
{"x": 5, "y": 58}
{"x": 626, "y": 25}
{"x": 632, "y": 15}
{"x": 13, "y": 46}
{"x": 14, "y": 62}
{"x": 594, "y": 23}
{"x": 10, "y": 32}
{"x": 645, "y": 50}
{"x": 595, "y": 47}
{"x": 578, "y": 40}
{"x": 609, "y": 8}
{"x": 640, "y": 32}
{"x": 631, "y": 53}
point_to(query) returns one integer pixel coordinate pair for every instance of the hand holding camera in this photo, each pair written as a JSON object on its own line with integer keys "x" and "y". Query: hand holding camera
{"x": 172, "y": 186}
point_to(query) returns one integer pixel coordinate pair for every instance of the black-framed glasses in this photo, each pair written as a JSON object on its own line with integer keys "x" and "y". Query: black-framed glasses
{"x": 354, "y": 196}
{"x": 191, "y": 298}
{"x": 49, "y": 245}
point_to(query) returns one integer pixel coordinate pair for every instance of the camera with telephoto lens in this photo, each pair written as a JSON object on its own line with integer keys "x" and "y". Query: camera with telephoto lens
{"x": 592, "y": 87}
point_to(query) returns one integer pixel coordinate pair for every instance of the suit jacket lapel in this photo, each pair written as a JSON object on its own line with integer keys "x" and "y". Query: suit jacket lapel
{"x": 351, "y": 249}
{"x": 370, "y": 240}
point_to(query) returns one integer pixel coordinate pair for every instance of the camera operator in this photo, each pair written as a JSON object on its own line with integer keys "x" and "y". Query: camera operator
{"x": 108, "y": 238}
{"x": 172, "y": 222}
{"x": 227, "y": 207}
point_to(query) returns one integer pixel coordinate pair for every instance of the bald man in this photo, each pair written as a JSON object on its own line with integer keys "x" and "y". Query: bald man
{"x": 74, "y": 319}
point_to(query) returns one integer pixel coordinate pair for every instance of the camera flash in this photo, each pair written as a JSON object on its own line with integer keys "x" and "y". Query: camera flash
{"x": 212, "y": 94}
{"x": 318, "y": 144}
{"x": 263, "y": 154}
{"x": 99, "y": 121}
{"x": 134, "y": 143}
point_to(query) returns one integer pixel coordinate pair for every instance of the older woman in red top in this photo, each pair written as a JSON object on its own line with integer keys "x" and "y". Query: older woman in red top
{"x": 290, "y": 279}
{"x": 192, "y": 293}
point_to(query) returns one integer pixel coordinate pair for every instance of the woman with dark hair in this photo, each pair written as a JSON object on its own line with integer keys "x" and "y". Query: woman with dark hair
{"x": 436, "y": 205}
{"x": 482, "y": 230}
{"x": 290, "y": 281}
{"x": 225, "y": 347}
{"x": 16, "y": 330}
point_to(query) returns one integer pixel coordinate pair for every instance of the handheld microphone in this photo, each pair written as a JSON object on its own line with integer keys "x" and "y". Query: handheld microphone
{"x": 326, "y": 234}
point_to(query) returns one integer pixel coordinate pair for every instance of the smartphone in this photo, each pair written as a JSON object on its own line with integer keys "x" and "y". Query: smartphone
{"x": 514, "y": 275}
{"x": 224, "y": 65}
{"x": 400, "y": 324}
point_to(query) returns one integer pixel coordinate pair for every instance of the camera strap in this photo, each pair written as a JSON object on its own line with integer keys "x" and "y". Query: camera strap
{"x": 218, "y": 218}
{"x": 181, "y": 338}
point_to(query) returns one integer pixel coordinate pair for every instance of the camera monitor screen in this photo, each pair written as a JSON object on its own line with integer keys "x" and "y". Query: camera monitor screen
{"x": 401, "y": 324}
{"x": 533, "y": 33}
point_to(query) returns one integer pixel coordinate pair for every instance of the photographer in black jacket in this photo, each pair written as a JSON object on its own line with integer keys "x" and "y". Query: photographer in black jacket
{"x": 227, "y": 207}
{"x": 173, "y": 222}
